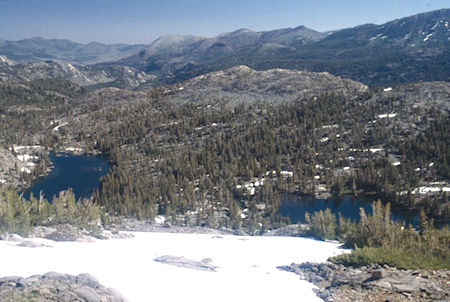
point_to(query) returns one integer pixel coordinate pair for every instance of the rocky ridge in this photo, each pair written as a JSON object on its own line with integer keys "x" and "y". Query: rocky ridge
{"x": 242, "y": 84}
{"x": 120, "y": 76}
{"x": 373, "y": 283}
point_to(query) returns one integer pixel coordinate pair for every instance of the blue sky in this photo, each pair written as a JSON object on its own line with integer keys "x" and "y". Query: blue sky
{"x": 142, "y": 21}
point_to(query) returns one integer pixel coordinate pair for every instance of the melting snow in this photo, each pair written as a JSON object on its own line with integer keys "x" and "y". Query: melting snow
{"x": 73, "y": 149}
{"x": 390, "y": 115}
{"x": 435, "y": 25}
{"x": 287, "y": 173}
{"x": 425, "y": 190}
{"x": 25, "y": 170}
{"x": 247, "y": 266}
{"x": 26, "y": 157}
{"x": 57, "y": 127}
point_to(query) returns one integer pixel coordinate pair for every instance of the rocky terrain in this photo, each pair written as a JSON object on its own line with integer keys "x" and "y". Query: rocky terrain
{"x": 54, "y": 286}
{"x": 243, "y": 85}
{"x": 120, "y": 76}
{"x": 373, "y": 283}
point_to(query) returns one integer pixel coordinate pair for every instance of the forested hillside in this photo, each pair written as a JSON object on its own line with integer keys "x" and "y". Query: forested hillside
{"x": 198, "y": 159}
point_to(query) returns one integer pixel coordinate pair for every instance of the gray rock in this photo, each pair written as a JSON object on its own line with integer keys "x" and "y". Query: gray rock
{"x": 324, "y": 294}
{"x": 54, "y": 286}
{"x": 54, "y": 276}
{"x": 86, "y": 294}
{"x": 293, "y": 230}
{"x": 186, "y": 263}
{"x": 370, "y": 280}
{"x": 27, "y": 243}
{"x": 86, "y": 279}
{"x": 11, "y": 237}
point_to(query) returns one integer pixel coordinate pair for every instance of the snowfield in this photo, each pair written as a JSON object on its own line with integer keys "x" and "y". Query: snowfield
{"x": 246, "y": 266}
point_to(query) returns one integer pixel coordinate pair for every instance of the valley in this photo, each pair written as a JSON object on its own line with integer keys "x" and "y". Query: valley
{"x": 220, "y": 149}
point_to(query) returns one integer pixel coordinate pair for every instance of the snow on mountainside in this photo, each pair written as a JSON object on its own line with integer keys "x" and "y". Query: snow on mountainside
{"x": 246, "y": 267}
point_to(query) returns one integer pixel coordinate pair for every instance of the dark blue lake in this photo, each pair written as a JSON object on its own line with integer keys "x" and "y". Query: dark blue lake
{"x": 295, "y": 208}
{"x": 79, "y": 172}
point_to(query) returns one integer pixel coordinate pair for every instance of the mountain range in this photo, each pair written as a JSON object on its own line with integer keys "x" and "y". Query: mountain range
{"x": 39, "y": 49}
{"x": 414, "y": 48}
{"x": 411, "y": 49}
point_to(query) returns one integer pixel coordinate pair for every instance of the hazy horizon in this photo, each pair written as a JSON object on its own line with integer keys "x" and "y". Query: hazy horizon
{"x": 141, "y": 22}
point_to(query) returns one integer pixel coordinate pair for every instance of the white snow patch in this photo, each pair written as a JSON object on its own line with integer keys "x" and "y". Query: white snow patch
{"x": 18, "y": 148}
{"x": 252, "y": 191}
{"x": 57, "y": 127}
{"x": 426, "y": 190}
{"x": 25, "y": 170}
{"x": 26, "y": 157}
{"x": 286, "y": 173}
{"x": 71, "y": 67}
{"x": 246, "y": 266}
{"x": 330, "y": 126}
{"x": 160, "y": 219}
{"x": 73, "y": 149}
{"x": 375, "y": 37}
{"x": 389, "y": 115}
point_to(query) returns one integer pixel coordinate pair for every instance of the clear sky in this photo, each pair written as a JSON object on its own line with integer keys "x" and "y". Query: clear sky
{"x": 142, "y": 21}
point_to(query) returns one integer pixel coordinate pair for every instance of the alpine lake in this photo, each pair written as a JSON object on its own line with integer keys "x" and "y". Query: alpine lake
{"x": 82, "y": 173}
